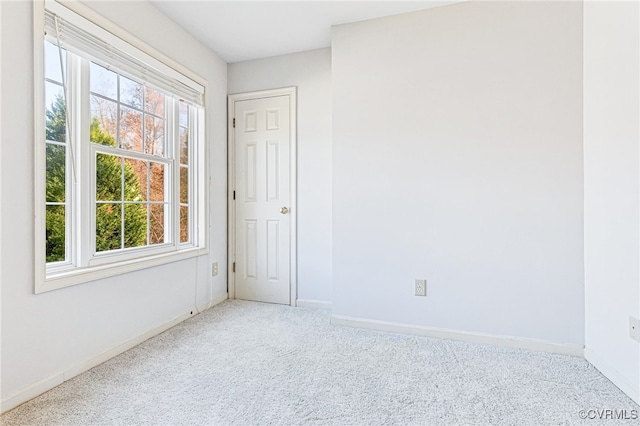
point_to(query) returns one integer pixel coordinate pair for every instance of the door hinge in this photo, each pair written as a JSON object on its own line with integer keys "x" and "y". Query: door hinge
{"x": 234, "y": 195}
{"x": 234, "y": 268}
{"x": 234, "y": 123}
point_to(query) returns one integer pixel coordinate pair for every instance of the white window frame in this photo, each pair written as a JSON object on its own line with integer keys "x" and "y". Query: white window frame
{"x": 84, "y": 265}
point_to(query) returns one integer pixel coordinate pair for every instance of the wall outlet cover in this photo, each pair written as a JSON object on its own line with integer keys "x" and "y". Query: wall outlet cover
{"x": 420, "y": 287}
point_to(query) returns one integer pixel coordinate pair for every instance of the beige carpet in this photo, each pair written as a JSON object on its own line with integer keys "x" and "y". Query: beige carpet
{"x": 245, "y": 363}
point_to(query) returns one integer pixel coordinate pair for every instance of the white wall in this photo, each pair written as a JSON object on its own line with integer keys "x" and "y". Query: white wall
{"x": 49, "y": 337}
{"x": 311, "y": 72}
{"x": 457, "y": 157}
{"x": 612, "y": 173}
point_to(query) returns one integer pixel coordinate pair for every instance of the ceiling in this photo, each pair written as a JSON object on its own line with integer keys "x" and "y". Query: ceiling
{"x": 243, "y": 30}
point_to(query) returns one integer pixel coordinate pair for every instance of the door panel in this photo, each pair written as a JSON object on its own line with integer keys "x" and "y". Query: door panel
{"x": 262, "y": 184}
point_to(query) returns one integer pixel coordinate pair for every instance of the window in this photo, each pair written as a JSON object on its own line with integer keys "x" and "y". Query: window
{"x": 56, "y": 147}
{"x": 121, "y": 148}
{"x": 128, "y": 138}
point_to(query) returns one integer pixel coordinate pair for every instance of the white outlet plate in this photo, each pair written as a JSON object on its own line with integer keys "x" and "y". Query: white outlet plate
{"x": 214, "y": 268}
{"x": 421, "y": 287}
{"x": 634, "y": 333}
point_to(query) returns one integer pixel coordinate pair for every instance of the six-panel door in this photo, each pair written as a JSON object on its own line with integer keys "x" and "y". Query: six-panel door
{"x": 262, "y": 199}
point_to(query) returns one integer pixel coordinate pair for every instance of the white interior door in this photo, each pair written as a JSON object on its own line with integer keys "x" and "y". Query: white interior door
{"x": 262, "y": 199}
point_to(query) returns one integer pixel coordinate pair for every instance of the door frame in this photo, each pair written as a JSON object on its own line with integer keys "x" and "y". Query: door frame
{"x": 293, "y": 186}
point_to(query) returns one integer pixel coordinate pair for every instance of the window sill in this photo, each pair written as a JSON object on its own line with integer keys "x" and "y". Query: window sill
{"x": 67, "y": 278}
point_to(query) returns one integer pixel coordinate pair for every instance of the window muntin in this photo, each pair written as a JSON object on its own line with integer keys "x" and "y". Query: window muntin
{"x": 130, "y": 191}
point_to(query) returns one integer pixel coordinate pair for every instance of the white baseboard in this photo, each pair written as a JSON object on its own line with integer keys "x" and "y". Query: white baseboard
{"x": 219, "y": 299}
{"x": 105, "y": 356}
{"x": 51, "y": 382}
{"x": 214, "y": 301}
{"x": 310, "y": 303}
{"x": 614, "y": 375}
{"x": 464, "y": 336}
{"x": 31, "y": 392}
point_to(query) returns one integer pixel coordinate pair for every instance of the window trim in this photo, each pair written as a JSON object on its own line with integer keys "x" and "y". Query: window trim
{"x": 64, "y": 275}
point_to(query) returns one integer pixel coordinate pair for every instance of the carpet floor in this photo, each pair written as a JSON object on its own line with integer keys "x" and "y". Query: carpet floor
{"x": 246, "y": 363}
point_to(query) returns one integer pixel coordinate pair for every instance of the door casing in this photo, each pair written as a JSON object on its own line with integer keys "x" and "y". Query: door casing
{"x": 231, "y": 179}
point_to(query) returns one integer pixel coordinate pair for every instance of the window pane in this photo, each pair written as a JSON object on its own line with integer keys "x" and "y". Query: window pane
{"x": 55, "y": 113}
{"x": 108, "y": 227}
{"x": 154, "y": 136}
{"x": 52, "y": 62}
{"x": 55, "y": 233}
{"x": 104, "y": 82}
{"x": 135, "y": 225}
{"x": 130, "y": 129}
{"x": 56, "y": 158}
{"x": 184, "y": 114}
{"x": 135, "y": 180}
{"x": 154, "y": 102}
{"x": 104, "y": 121}
{"x": 184, "y": 185}
{"x": 157, "y": 182}
{"x": 184, "y": 224}
{"x": 131, "y": 92}
{"x": 108, "y": 177}
{"x": 156, "y": 226}
{"x": 184, "y": 145}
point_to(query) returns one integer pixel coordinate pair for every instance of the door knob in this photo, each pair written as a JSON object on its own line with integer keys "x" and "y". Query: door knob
{"x": 284, "y": 210}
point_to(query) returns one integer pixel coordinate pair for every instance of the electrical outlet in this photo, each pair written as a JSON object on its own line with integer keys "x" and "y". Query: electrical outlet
{"x": 421, "y": 287}
{"x": 634, "y": 333}
{"x": 214, "y": 268}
